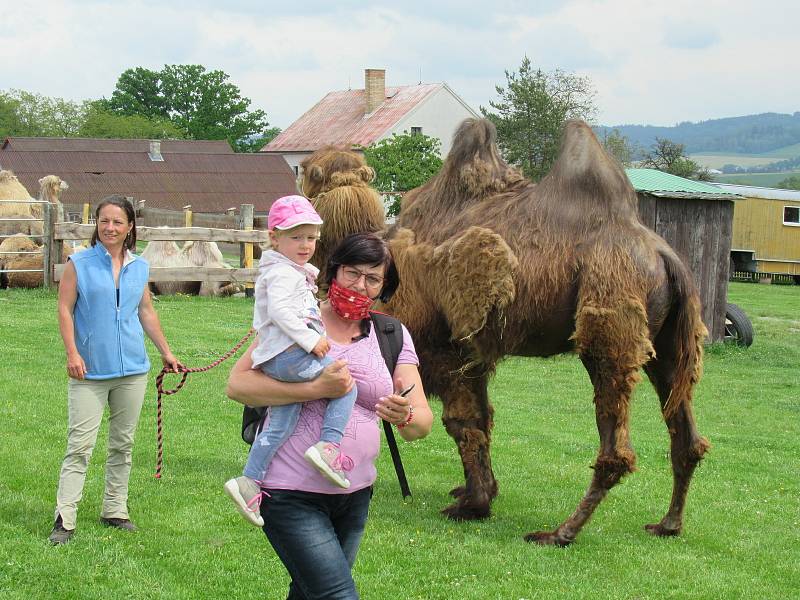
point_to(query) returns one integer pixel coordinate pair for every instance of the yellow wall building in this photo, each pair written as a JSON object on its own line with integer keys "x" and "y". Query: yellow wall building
{"x": 766, "y": 230}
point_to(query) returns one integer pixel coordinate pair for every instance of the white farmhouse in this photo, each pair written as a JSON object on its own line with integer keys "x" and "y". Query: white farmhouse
{"x": 360, "y": 118}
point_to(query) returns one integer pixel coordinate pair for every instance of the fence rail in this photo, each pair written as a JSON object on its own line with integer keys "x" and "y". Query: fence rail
{"x": 56, "y": 230}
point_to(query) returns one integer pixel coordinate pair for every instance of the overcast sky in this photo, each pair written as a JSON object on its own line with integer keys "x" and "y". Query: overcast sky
{"x": 655, "y": 63}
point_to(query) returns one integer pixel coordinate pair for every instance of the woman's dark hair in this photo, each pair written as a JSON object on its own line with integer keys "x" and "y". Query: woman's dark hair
{"x": 365, "y": 249}
{"x": 123, "y": 203}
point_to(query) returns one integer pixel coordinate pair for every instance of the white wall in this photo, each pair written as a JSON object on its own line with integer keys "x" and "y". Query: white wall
{"x": 439, "y": 115}
{"x": 294, "y": 159}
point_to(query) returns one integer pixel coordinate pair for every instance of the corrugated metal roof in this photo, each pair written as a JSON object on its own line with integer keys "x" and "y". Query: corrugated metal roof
{"x": 209, "y": 182}
{"x": 760, "y": 192}
{"x": 658, "y": 183}
{"x": 339, "y": 119}
{"x": 113, "y": 145}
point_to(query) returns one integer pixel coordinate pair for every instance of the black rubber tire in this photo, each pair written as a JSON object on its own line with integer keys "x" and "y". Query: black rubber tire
{"x": 738, "y": 328}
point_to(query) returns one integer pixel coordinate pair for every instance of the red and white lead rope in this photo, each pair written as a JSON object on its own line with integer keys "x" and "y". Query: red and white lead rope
{"x": 162, "y": 392}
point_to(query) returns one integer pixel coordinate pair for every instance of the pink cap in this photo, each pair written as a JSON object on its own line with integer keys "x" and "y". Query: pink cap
{"x": 291, "y": 211}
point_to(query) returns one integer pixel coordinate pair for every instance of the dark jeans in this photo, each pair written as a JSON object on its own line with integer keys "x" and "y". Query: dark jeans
{"x": 316, "y": 536}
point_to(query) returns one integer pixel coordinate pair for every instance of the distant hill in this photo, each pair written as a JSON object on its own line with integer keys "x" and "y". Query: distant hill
{"x": 751, "y": 134}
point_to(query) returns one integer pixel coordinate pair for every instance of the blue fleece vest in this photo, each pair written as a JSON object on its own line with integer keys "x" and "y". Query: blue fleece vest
{"x": 109, "y": 337}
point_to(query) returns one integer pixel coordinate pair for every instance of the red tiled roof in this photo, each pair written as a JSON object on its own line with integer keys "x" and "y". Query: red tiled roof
{"x": 209, "y": 182}
{"x": 339, "y": 119}
{"x": 113, "y": 145}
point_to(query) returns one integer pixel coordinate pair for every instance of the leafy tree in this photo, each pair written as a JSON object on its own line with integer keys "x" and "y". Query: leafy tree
{"x": 531, "y": 111}
{"x": 670, "y": 157}
{"x": 620, "y": 147}
{"x": 257, "y": 142}
{"x": 403, "y": 162}
{"x": 10, "y": 123}
{"x": 27, "y": 114}
{"x": 100, "y": 123}
{"x": 790, "y": 183}
{"x": 203, "y": 104}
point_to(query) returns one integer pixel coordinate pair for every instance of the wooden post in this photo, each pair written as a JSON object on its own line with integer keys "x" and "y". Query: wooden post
{"x": 85, "y": 216}
{"x": 48, "y": 220}
{"x": 57, "y": 249}
{"x": 246, "y": 258}
{"x": 187, "y": 217}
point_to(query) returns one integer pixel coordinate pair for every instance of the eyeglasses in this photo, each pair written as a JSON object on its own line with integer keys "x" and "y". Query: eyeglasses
{"x": 351, "y": 275}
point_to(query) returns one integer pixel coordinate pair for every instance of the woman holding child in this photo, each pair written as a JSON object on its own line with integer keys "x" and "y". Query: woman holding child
{"x": 315, "y": 525}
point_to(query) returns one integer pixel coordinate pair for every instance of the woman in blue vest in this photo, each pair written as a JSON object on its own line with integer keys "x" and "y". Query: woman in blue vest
{"x": 104, "y": 310}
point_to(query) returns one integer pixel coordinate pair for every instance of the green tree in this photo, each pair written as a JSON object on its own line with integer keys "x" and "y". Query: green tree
{"x": 27, "y": 114}
{"x": 203, "y": 104}
{"x": 100, "y": 123}
{"x": 670, "y": 157}
{"x": 790, "y": 183}
{"x": 257, "y": 142}
{"x": 620, "y": 147}
{"x": 403, "y": 162}
{"x": 10, "y": 123}
{"x": 531, "y": 111}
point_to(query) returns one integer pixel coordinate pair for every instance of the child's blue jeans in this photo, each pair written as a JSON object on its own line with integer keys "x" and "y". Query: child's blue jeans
{"x": 295, "y": 365}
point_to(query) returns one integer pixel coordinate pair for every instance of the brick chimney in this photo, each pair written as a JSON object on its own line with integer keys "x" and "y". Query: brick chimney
{"x": 374, "y": 88}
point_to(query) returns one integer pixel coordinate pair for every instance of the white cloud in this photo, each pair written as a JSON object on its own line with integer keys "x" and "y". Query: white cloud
{"x": 656, "y": 63}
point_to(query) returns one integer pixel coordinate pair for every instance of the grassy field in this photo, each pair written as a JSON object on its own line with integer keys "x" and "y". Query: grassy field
{"x": 742, "y": 523}
{"x": 756, "y": 179}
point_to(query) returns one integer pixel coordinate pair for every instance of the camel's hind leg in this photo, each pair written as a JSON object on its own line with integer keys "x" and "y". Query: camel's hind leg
{"x": 467, "y": 416}
{"x": 612, "y": 341}
{"x": 613, "y": 387}
{"x": 687, "y": 446}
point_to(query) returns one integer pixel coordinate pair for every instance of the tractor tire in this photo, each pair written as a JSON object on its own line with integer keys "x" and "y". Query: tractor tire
{"x": 738, "y": 328}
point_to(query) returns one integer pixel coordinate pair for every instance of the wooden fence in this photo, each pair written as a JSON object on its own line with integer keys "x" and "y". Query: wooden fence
{"x": 233, "y": 228}
{"x": 244, "y": 235}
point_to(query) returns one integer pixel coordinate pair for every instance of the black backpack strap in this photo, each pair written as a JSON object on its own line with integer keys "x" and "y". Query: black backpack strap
{"x": 389, "y": 332}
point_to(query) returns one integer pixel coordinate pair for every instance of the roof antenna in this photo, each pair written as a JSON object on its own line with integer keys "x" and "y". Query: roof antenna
{"x": 420, "y": 76}
{"x": 349, "y": 83}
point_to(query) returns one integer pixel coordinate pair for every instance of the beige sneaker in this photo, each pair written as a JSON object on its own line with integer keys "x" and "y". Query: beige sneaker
{"x": 329, "y": 461}
{"x": 246, "y": 495}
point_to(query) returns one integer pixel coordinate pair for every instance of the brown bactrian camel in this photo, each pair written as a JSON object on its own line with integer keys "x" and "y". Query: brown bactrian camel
{"x": 337, "y": 181}
{"x": 494, "y": 265}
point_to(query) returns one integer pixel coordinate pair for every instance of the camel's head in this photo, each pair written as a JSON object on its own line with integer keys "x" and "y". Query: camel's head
{"x": 333, "y": 167}
{"x": 337, "y": 183}
{"x": 50, "y": 188}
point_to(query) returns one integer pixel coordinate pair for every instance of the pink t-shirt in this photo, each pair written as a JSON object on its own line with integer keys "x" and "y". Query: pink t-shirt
{"x": 361, "y": 442}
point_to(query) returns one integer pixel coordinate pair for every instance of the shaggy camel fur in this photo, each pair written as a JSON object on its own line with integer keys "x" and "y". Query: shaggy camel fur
{"x": 31, "y": 264}
{"x": 197, "y": 254}
{"x": 208, "y": 254}
{"x": 12, "y": 189}
{"x": 493, "y": 265}
{"x": 337, "y": 182}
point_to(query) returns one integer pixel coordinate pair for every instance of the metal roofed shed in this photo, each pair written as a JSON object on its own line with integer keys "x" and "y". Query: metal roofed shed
{"x": 766, "y": 233}
{"x": 696, "y": 219}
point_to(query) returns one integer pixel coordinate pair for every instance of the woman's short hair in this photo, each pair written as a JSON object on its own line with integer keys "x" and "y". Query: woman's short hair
{"x": 365, "y": 249}
{"x": 125, "y": 204}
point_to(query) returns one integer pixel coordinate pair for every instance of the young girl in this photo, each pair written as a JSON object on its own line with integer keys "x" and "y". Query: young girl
{"x": 291, "y": 348}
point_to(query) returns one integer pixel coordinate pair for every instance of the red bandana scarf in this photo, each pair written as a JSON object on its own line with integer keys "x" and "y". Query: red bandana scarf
{"x": 347, "y": 303}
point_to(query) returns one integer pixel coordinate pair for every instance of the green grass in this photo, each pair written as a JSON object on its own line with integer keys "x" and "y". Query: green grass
{"x": 716, "y": 160}
{"x": 742, "y": 521}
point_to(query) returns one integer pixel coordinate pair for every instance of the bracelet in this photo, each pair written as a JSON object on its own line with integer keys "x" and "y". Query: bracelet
{"x": 410, "y": 416}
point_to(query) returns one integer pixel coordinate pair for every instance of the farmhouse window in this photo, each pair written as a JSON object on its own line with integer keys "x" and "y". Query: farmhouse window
{"x": 791, "y": 215}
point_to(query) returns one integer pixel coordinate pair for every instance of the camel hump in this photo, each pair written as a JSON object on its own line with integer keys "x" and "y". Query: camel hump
{"x": 587, "y": 171}
{"x": 474, "y": 166}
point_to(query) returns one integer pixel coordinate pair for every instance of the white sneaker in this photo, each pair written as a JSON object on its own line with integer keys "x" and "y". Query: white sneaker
{"x": 246, "y": 495}
{"x": 329, "y": 461}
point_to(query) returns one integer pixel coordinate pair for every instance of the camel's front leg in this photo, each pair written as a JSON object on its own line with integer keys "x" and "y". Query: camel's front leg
{"x": 467, "y": 416}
